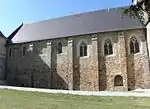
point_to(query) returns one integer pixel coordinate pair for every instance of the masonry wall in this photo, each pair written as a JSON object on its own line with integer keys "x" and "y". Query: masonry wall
{"x": 41, "y": 67}
{"x": 2, "y": 57}
{"x": 85, "y": 71}
{"x": 134, "y": 68}
{"x": 60, "y": 64}
{"x": 44, "y": 67}
{"x": 138, "y": 64}
{"x": 32, "y": 69}
{"x": 114, "y": 64}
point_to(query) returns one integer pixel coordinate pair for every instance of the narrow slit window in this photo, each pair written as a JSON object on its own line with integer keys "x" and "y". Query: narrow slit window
{"x": 59, "y": 48}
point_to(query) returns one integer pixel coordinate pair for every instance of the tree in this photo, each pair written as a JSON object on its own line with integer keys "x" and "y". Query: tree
{"x": 139, "y": 8}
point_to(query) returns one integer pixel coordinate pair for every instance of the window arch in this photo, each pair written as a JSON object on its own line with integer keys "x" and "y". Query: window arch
{"x": 134, "y": 45}
{"x": 83, "y": 49}
{"x": 108, "y": 48}
{"x": 59, "y": 49}
{"x": 118, "y": 80}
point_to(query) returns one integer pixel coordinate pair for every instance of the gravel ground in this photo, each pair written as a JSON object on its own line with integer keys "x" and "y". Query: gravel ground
{"x": 135, "y": 93}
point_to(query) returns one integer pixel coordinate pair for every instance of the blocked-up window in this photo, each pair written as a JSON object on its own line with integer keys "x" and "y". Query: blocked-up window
{"x": 108, "y": 48}
{"x": 134, "y": 45}
{"x": 83, "y": 49}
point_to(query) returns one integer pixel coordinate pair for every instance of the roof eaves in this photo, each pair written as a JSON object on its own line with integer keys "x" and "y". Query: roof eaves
{"x": 115, "y": 30}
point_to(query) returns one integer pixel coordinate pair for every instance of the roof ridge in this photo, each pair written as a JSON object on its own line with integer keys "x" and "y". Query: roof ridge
{"x": 78, "y": 14}
{"x": 88, "y": 23}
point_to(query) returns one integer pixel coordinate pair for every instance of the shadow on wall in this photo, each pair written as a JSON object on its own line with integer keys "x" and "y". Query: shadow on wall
{"x": 131, "y": 72}
{"x": 76, "y": 67}
{"x": 35, "y": 69}
{"x": 76, "y": 73}
{"x": 102, "y": 74}
{"x": 102, "y": 68}
{"x": 57, "y": 81}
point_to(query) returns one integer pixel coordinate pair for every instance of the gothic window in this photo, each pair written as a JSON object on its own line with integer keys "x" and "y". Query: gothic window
{"x": 108, "y": 48}
{"x": 118, "y": 80}
{"x": 134, "y": 45}
{"x": 83, "y": 49}
{"x": 59, "y": 49}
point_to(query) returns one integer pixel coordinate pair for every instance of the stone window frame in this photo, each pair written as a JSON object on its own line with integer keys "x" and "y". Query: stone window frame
{"x": 134, "y": 44}
{"x": 108, "y": 47}
{"x": 83, "y": 49}
{"x": 103, "y": 43}
{"x": 78, "y": 48}
{"x": 139, "y": 40}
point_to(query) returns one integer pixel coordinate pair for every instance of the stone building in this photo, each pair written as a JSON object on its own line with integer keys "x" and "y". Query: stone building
{"x": 2, "y": 57}
{"x": 95, "y": 51}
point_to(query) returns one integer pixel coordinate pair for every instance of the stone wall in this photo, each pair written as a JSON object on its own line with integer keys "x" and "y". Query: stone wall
{"x": 134, "y": 68}
{"x": 114, "y": 64}
{"x": 33, "y": 69}
{"x": 60, "y": 64}
{"x": 44, "y": 67}
{"x": 138, "y": 64}
{"x": 2, "y": 57}
{"x": 85, "y": 71}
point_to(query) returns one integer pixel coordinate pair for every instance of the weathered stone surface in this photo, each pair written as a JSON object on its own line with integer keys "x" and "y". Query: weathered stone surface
{"x": 43, "y": 67}
{"x": 2, "y": 57}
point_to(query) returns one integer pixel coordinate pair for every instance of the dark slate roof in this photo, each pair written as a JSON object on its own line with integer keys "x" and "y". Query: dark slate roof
{"x": 79, "y": 24}
{"x": 12, "y": 35}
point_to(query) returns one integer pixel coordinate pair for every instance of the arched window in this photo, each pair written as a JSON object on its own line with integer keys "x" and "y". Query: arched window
{"x": 83, "y": 49}
{"x": 108, "y": 48}
{"x": 118, "y": 80}
{"x": 59, "y": 49}
{"x": 134, "y": 45}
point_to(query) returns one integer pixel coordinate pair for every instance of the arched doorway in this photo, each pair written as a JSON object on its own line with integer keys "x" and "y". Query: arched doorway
{"x": 118, "y": 80}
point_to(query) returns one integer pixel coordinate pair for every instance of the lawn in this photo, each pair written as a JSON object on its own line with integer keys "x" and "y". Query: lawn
{"x": 10, "y": 99}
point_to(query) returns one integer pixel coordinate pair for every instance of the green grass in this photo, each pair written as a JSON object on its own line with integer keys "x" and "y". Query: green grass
{"x": 10, "y": 99}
